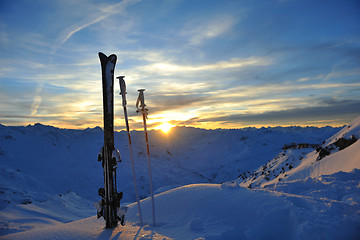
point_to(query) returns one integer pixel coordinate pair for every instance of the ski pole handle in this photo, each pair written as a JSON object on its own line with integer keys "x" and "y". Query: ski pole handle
{"x": 122, "y": 90}
{"x": 141, "y": 100}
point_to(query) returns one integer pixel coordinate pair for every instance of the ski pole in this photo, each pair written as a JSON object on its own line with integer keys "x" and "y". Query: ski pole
{"x": 123, "y": 94}
{"x": 144, "y": 110}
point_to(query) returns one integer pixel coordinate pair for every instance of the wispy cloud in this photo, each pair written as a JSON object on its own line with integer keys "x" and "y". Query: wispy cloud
{"x": 325, "y": 111}
{"x": 101, "y": 14}
{"x": 4, "y": 36}
{"x": 200, "y": 30}
{"x": 304, "y": 79}
{"x": 278, "y": 88}
{"x": 37, "y": 100}
{"x": 69, "y": 31}
{"x": 342, "y": 73}
{"x": 165, "y": 67}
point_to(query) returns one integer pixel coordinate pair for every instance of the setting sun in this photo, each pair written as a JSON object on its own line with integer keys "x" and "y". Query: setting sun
{"x": 165, "y": 127}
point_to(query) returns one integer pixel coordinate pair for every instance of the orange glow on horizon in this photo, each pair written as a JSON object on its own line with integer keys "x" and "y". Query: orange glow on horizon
{"x": 165, "y": 127}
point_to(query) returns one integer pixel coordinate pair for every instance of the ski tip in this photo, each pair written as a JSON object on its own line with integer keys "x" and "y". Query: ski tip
{"x": 103, "y": 58}
{"x": 120, "y": 77}
{"x": 112, "y": 58}
{"x": 141, "y": 90}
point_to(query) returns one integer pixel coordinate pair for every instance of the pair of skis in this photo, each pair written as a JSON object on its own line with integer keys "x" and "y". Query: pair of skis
{"x": 109, "y": 205}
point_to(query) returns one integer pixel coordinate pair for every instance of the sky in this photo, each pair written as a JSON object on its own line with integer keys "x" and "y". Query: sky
{"x": 204, "y": 63}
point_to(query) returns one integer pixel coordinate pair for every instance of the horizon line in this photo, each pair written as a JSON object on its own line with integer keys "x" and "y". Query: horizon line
{"x": 258, "y": 126}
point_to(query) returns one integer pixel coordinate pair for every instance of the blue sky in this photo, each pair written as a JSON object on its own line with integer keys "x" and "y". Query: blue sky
{"x": 209, "y": 64}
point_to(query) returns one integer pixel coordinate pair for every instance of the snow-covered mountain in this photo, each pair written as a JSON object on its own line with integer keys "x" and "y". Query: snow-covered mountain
{"x": 39, "y": 161}
{"x": 340, "y": 152}
{"x": 267, "y": 183}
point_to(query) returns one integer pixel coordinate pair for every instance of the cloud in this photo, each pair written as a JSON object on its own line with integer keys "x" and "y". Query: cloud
{"x": 69, "y": 31}
{"x": 37, "y": 100}
{"x": 4, "y": 36}
{"x": 342, "y": 111}
{"x": 341, "y": 74}
{"x": 304, "y": 79}
{"x": 101, "y": 14}
{"x": 264, "y": 90}
{"x": 165, "y": 67}
{"x": 195, "y": 65}
{"x": 199, "y": 31}
{"x": 176, "y": 101}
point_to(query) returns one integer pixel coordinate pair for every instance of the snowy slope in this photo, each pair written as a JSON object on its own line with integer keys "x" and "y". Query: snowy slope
{"x": 54, "y": 180}
{"x": 227, "y": 211}
{"x": 301, "y": 161}
{"x": 57, "y": 209}
{"x": 338, "y": 159}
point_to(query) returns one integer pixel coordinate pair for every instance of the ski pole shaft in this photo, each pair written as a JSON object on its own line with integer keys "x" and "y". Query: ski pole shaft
{"x": 143, "y": 110}
{"x": 149, "y": 166}
{"x": 123, "y": 94}
{"x": 133, "y": 170}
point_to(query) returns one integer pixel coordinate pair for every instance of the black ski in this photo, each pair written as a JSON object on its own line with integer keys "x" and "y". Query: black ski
{"x": 109, "y": 206}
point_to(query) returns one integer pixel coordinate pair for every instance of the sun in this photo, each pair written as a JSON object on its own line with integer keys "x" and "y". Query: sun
{"x": 165, "y": 127}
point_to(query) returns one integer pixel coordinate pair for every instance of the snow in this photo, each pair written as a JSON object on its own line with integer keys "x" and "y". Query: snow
{"x": 223, "y": 211}
{"x": 300, "y": 163}
{"x": 331, "y": 164}
{"x": 201, "y": 178}
{"x": 58, "y": 209}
